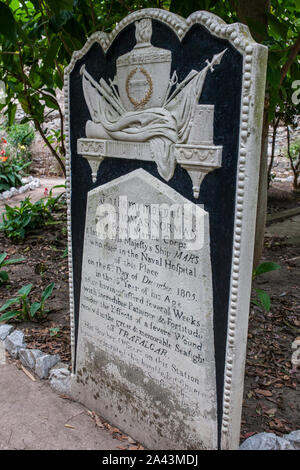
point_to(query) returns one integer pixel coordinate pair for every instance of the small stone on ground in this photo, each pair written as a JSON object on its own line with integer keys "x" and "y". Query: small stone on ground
{"x": 14, "y": 343}
{"x": 5, "y": 330}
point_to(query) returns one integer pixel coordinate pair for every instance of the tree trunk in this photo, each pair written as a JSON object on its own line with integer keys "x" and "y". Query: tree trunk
{"x": 254, "y": 13}
{"x": 262, "y": 201}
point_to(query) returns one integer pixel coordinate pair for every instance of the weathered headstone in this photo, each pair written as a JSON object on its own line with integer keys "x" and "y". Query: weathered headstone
{"x": 163, "y": 120}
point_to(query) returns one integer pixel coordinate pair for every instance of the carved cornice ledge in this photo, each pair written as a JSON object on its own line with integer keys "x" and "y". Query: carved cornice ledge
{"x": 197, "y": 160}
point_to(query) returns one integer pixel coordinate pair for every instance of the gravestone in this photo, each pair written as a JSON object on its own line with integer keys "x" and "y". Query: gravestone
{"x": 163, "y": 121}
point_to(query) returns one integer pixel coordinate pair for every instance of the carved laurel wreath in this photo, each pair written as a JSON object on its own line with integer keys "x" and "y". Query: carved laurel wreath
{"x": 141, "y": 103}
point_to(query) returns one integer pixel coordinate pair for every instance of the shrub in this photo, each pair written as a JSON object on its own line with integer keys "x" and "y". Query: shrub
{"x": 20, "y": 135}
{"x": 11, "y": 172}
{"x": 263, "y": 299}
{"x": 19, "y": 220}
{"x": 21, "y": 306}
{"x": 6, "y": 262}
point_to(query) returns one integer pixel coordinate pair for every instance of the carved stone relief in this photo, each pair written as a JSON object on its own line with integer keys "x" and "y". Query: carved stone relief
{"x": 146, "y": 114}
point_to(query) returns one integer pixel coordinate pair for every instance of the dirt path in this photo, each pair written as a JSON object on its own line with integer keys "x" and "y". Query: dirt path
{"x": 35, "y": 194}
{"x": 33, "y": 417}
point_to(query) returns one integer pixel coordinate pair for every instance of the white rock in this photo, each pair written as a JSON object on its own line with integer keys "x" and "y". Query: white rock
{"x": 14, "y": 343}
{"x": 28, "y": 357}
{"x": 266, "y": 441}
{"x": 44, "y": 363}
{"x": 5, "y": 330}
{"x": 294, "y": 439}
{"x": 60, "y": 381}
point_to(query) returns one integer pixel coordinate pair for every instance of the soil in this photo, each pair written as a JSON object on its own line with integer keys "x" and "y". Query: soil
{"x": 271, "y": 398}
{"x": 45, "y": 262}
{"x": 271, "y": 388}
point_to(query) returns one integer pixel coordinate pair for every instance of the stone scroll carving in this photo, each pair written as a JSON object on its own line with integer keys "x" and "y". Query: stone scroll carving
{"x": 145, "y": 114}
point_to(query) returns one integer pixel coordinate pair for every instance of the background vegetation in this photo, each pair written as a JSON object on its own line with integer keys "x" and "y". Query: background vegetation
{"x": 38, "y": 37}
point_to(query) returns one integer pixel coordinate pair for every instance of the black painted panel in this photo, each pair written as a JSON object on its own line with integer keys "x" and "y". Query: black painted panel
{"x": 222, "y": 89}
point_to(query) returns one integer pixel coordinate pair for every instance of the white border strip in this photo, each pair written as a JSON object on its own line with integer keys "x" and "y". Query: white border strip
{"x": 253, "y": 89}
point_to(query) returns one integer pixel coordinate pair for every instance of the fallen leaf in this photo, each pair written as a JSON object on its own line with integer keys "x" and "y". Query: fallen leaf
{"x": 96, "y": 419}
{"x": 276, "y": 424}
{"x": 271, "y": 412}
{"x": 120, "y": 437}
{"x": 265, "y": 393}
{"x": 114, "y": 430}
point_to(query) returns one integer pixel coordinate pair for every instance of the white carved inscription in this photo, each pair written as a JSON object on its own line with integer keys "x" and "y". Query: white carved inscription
{"x": 146, "y": 306}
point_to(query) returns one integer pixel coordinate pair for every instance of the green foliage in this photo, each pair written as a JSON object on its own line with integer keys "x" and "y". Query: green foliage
{"x": 17, "y": 142}
{"x": 55, "y": 331}
{"x": 295, "y": 149}
{"x": 293, "y": 154}
{"x": 11, "y": 173}
{"x": 56, "y": 203}
{"x": 21, "y": 306}
{"x": 263, "y": 299}
{"x": 38, "y": 38}
{"x": 19, "y": 220}
{"x": 4, "y": 278}
{"x": 278, "y": 31}
{"x": 20, "y": 135}
{"x": 265, "y": 267}
{"x": 7, "y": 22}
